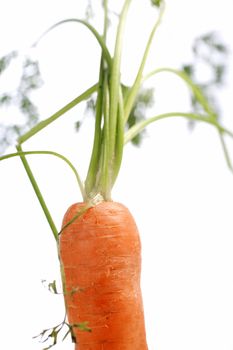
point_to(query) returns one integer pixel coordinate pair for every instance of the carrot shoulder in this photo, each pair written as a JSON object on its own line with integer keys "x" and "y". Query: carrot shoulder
{"x": 101, "y": 258}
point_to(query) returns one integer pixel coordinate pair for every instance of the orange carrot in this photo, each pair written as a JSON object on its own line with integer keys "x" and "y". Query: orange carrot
{"x": 101, "y": 258}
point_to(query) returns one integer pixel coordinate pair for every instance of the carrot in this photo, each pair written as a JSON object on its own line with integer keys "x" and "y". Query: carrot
{"x": 101, "y": 258}
{"x": 99, "y": 246}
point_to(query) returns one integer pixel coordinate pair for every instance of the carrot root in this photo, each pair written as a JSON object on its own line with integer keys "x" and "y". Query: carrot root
{"x": 101, "y": 257}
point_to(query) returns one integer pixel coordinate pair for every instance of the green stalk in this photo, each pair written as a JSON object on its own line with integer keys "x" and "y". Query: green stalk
{"x": 38, "y": 193}
{"x": 115, "y": 83}
{"x": 91, "y": 179}
{"x": 137, "y": 128}
{"x": 105, "y": 183}
{"x": 97, "y": 177}
{"x": 132, "y": 93}
{"x": 119, "y": 137}
{"x": 58, "y": 114}
{"x": 76, "y": 216}
{"x": 105, "y": 20}
{"x": 24, "y": 153}
{"x": 195, "y": 89}
{"x": 225, "y": 151}
{"x": 99, "y": 38}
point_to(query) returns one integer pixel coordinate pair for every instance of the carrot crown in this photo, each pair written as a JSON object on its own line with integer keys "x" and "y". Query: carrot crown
{"x": 113, "y": 107}
{"x": 112, "y": 112}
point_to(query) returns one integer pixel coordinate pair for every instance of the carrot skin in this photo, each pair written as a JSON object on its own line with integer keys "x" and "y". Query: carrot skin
{"x": 101, "y": 258}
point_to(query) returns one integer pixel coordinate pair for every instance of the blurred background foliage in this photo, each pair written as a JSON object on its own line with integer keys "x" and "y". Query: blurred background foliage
{"x": 208, "y": 68}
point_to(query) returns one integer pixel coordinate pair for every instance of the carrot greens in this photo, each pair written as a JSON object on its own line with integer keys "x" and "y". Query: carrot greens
{"x": 114, "y": 105}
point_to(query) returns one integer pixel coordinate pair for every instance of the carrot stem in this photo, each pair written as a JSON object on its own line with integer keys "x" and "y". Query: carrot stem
{"x": 137, "y": 128}
{"x": 38, "y": 193}
{"x": 91, "y": 179}
{"x": 76, "y": 216}
{"x": 11, "y": 155}
{"x": 195, "y": 89}
{"x": 40, "y": 126}
{"x": 114, "y": 86}
{"x": 119, "y": 147}
{"x": 105, "y": 181}
{"x": 90, "y": 27}
{"x": 225, "y": 151}
{"x": 132, "y": 93}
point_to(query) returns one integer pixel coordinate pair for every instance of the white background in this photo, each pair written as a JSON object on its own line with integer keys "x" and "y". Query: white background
{"x": 176, "y": 184}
